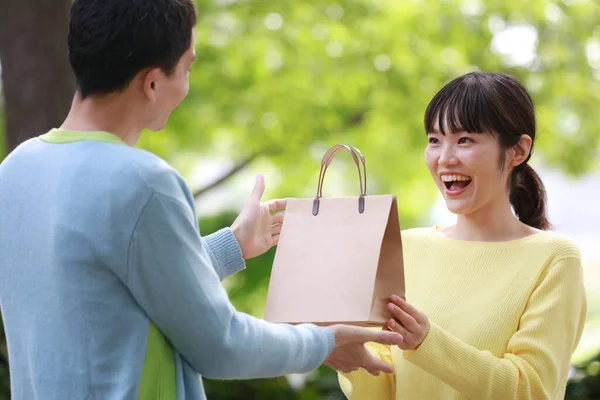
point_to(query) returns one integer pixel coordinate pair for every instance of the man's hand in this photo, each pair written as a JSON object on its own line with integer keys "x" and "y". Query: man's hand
{"x": 350, "y": 352}
{"x": 256, "y": 229}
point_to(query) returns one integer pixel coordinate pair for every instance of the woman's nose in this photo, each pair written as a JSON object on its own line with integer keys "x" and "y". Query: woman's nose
{"x": 448, "y": 156}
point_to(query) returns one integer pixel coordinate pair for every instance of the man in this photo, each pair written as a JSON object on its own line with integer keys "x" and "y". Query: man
{"x": 108, "y": 291}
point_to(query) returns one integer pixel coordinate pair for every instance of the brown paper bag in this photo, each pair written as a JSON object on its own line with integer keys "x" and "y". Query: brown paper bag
{"x": 338, "y": 259}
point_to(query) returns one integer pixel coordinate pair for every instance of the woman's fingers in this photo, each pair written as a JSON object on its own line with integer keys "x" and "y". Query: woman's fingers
{"x": 394, "y": 326}
{"x": 407, "y": 317}
{"x": 403, "y": 317}
{"x": 418, "y": 316}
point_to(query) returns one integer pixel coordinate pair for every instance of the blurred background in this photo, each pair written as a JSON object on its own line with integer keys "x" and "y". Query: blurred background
{"x": 277, "y": 83}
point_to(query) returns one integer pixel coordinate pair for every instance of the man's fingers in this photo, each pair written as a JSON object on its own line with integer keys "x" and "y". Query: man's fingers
{"x": 382, "y": 337}
{"x": 276, "y": 205}
{"x": 276, "y": 230}
{"x": 275, "y": 240}
{"x": 278, "y": 218}
{"x": 259, "y": 188}
{"x": 376, "y": 365}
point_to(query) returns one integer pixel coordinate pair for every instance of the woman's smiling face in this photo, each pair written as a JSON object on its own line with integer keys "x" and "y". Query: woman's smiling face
{"x": 466, "y": 168}
{"x": 480, "y": 129}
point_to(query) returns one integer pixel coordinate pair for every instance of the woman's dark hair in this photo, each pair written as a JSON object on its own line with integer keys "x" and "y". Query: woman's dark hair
{"x": 495, "y": 103}
{"x": 111, "y": 41}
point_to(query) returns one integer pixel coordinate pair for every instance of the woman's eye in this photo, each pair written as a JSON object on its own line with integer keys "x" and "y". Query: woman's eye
{"x": 433, "y": 140}
{"x": 464, "y": 140}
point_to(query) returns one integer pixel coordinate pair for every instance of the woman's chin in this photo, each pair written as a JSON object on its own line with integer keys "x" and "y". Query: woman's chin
{"x": 457, "y": 207}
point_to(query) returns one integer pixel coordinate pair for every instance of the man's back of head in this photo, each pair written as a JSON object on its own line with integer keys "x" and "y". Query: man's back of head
{"x": 111, "y": 41}
{"x": 131, "y": 60}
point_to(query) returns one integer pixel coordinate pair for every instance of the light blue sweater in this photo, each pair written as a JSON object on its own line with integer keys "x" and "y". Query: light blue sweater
{"x": 107, "y": 289}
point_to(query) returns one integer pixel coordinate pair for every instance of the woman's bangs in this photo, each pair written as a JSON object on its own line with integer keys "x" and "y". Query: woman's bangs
{"x": 460, "y": 107}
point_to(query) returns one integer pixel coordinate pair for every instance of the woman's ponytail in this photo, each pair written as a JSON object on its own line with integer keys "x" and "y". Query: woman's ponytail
{"x": 528, "y": 197}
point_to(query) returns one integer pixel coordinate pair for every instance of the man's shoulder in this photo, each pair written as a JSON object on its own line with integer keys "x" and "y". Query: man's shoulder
{"x": 114, "y": 170}
{"x": 149, "y": 166}
{"x": 141, "y": 168}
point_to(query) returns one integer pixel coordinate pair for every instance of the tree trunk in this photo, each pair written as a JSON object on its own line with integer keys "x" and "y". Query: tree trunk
{"x": 38, "y": 84}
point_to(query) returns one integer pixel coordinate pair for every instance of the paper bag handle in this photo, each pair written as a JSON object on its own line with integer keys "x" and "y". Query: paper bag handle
{"x": 327, "y": 158}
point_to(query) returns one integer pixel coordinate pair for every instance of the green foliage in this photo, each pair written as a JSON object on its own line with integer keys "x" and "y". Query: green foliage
{"x": 362, "y": 72}
{"x": 287, "y": 79}
{"x": 4, "y": 373}
{"x": 586, "y": 383}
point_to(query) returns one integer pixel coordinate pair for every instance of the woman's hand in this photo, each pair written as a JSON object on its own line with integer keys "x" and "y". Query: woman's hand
{"x": 412, "y": 324}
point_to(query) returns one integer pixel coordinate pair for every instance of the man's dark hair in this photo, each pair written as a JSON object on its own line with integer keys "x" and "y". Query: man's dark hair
{"x": 111, "y": 41}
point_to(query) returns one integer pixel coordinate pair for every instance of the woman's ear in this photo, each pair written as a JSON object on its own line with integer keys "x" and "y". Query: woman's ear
{"x": 519, "y": 153}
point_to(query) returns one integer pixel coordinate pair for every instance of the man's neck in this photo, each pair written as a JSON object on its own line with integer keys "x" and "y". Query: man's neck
{"x": 112, "y": 113}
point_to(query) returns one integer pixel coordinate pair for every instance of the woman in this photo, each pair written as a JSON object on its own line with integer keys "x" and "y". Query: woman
{"x": 497, "y": 303}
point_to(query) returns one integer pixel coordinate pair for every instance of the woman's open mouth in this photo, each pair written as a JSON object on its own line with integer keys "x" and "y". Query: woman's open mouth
{"x": 456, "y": 183}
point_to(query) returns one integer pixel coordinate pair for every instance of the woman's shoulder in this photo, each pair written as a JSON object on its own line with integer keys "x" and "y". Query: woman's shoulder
{"x": 557, "y": 244}
{"x": 417, "y": 233}
{"x": 418, "y": 237}
{"x": 543, "y": 243}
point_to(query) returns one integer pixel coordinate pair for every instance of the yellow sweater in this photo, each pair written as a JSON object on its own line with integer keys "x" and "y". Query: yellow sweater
{"x": 505, "y": 319}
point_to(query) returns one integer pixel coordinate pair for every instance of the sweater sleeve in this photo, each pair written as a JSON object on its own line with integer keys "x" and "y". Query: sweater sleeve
{"x": 225, "y": 253}
{"x": 171, "y": 276}
{"x": 538, "y": 354}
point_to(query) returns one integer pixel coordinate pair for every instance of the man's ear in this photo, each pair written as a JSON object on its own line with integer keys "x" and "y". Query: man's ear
{"x": 519, "y": 152}
{"x": 150, "y": 79}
